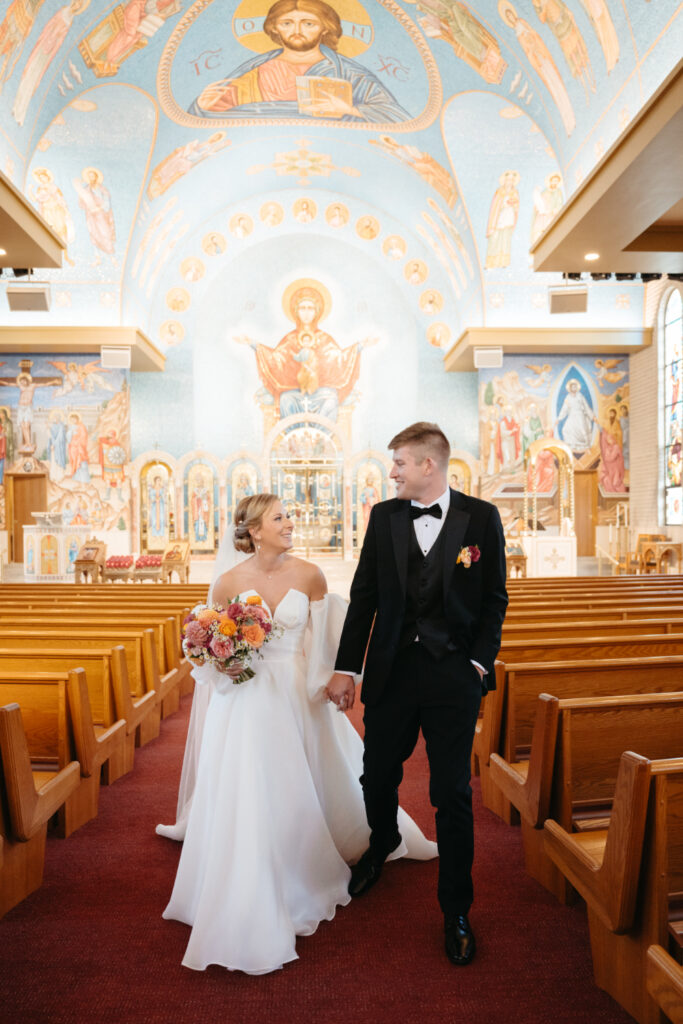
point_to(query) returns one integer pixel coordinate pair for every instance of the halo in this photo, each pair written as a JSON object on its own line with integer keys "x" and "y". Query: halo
{"x": 42, "y": 170}
{"x": 504, "y": 6}
{"x": 306, "y": 282}
{"x": 255, "y": 11}
{"x": 86, "y": 171}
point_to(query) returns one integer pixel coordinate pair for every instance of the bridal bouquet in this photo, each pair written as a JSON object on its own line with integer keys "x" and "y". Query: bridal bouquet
{"x": 225, "y": 636}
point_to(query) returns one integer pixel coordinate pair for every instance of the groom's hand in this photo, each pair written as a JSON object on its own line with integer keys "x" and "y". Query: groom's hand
{"x": 341, "y": 690}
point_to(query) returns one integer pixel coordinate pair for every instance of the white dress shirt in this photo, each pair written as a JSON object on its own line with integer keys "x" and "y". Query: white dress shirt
{"x": 427, "y": 529}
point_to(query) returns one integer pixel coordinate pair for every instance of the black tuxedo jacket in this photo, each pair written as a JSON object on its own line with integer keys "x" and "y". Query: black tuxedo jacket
{"x": 475, "y": 598}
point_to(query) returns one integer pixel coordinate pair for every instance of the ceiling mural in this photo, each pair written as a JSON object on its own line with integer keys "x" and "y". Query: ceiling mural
{"x": 180, "y": 147}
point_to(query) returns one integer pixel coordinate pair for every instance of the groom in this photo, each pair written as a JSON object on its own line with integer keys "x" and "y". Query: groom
{"x": 431, "y": 576}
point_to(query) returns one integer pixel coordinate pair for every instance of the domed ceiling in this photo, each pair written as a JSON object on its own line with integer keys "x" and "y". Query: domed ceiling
{"x": 199, "y": 157}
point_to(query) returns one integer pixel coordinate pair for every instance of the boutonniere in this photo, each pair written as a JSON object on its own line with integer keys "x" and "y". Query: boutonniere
{"x": 469, "y": 555}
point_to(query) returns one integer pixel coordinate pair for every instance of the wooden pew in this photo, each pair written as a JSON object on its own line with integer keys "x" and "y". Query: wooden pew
{"x": 628, "y": 874}
{"x": 140, "y": 653}
{"x": 508, "y": 712}
{"x": 106, "y": 677}
{"x": 55, "y": 711}
{"x": 27, "y": 802}
{"x": 571, "y": 773}
{"x": 166, "y": 623}
{"x": 574, "y": 648}
{"x": 665, "y": 983}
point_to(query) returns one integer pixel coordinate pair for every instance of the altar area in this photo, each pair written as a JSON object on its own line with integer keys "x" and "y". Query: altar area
{"x": 549, "y": 554}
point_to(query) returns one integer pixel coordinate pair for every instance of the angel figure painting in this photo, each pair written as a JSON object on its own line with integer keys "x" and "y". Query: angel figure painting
{"x": 82, "y": 376}
{"x": 305, "y": 74}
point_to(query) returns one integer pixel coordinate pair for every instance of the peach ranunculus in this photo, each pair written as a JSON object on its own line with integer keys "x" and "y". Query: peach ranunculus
{"x": 228, "y": 627}
{"x": 253, "y": 599}
{"x": 207, "y": 616}
{"x": 254, "y": 635}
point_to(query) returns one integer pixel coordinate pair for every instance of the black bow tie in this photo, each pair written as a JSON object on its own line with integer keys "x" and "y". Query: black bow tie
{"x": 433, "y": 510}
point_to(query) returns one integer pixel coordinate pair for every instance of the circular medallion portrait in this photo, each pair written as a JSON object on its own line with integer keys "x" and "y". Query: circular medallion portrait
{"x": 241, "y": 225}
{"x": 171, "y": 332}
{"x": 431, "y": 302}
{"x": 337, "y": 215}
{"x": 271, "y": 214}
{"x": 367, "y": 228}
{"x": 192, "y": 269}
{"x": 213, "y": 244}
{"x": 415, "y": 271}
{"x": 394, "y": 247}
{"x": 178, "y": 299}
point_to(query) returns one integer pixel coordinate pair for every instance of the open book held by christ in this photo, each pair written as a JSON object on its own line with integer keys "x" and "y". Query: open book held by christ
{"x": 311, "y": 89}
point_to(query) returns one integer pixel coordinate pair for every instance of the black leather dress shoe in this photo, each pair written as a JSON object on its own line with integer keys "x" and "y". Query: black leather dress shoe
{"x": 459, "y": 940}
{"x": 365, "y": 873}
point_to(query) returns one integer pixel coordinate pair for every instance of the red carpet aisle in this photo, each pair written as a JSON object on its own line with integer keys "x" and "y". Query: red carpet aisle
{"x": 90, "y": 946}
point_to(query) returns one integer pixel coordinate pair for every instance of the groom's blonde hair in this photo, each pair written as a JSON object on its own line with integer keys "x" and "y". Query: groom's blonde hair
{"x": 424, "y": 439}
{"x": 249, "y": 516}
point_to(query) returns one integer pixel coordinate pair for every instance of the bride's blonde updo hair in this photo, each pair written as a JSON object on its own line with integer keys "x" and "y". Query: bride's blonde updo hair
{"x": 249, "y": 516}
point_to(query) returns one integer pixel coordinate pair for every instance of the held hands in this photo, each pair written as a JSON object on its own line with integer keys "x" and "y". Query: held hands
{"x": 341, "y": 691}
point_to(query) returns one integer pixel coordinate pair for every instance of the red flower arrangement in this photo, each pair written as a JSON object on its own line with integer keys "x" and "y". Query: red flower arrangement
{"x": 119, "y": 562}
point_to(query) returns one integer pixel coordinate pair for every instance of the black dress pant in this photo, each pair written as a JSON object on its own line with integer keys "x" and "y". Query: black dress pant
{"x": 442, "y": 698}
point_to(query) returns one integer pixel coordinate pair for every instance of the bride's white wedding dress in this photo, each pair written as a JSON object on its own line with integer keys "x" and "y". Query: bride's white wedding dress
{"x": 275, "y": 812}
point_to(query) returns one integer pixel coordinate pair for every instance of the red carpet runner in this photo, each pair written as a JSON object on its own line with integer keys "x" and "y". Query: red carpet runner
{"x": 90, "y": 945}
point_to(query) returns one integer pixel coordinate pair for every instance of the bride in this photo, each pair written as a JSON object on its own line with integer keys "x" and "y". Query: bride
{"x": 270, "y": 804}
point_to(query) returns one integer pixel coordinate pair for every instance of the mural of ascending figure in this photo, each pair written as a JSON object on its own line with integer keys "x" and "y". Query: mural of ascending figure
{"x": 577, "y": 429}
{"x": 303, "y": 76}
{"x": 49, "y": 42}
{"x": 561, "y": 22}
{"x": 541, "y": 60}
{"x": 94, "y": 199}
{"x": 15, "y": 29}
{"x": 307, "y": 371}
{"x": 601, "y": 20}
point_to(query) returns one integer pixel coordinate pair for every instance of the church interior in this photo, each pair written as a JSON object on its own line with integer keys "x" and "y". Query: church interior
{"x": 205, "y": 298}
{"x": 222, "y": 273}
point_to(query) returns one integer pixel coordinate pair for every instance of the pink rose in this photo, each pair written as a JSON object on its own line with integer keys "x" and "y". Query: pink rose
{"x": 259, "y": 615}
{"x": 222, "y": 647}
{"x": 234, "y": 610}
{"x": 195, "y": 634}
{"x": 475, "y": 553}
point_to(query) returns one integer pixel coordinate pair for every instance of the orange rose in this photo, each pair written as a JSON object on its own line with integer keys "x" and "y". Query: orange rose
{"x": 227, "y": 627}
{"x": 254, "y": 635}
{"x": 253, "y": 599}
{"x": 207, "y": 616}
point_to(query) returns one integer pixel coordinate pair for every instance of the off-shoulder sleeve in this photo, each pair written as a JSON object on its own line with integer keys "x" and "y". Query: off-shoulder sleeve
{"x": 322, "y": 639}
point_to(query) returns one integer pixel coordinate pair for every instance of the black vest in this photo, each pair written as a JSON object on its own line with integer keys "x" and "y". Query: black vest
{"x": 424, "y": 615}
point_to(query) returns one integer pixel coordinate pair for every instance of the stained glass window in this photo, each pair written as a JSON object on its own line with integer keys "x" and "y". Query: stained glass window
{"x": 673, "y": 408}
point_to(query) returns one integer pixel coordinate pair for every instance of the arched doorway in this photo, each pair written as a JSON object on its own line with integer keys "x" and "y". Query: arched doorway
{"x": 306, "y": 471}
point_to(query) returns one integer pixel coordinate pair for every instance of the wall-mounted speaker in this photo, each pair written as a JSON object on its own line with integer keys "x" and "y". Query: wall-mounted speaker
{"x": 28, "y": 298}
{"x": 568, "y": 300}
{"x": 488, "y": 358}
{"x": 115, "y": 358}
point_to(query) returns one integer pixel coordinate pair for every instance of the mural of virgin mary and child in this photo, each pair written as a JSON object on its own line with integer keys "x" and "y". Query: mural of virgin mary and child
{"x": 303, "y": 76}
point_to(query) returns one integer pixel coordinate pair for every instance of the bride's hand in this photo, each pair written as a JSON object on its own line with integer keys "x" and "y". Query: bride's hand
{"x": 234, "y": 670}
{"x": 341, "y": 691}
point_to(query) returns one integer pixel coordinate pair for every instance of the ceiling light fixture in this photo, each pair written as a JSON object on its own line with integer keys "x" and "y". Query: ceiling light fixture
{"x": 590, "y": 256}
